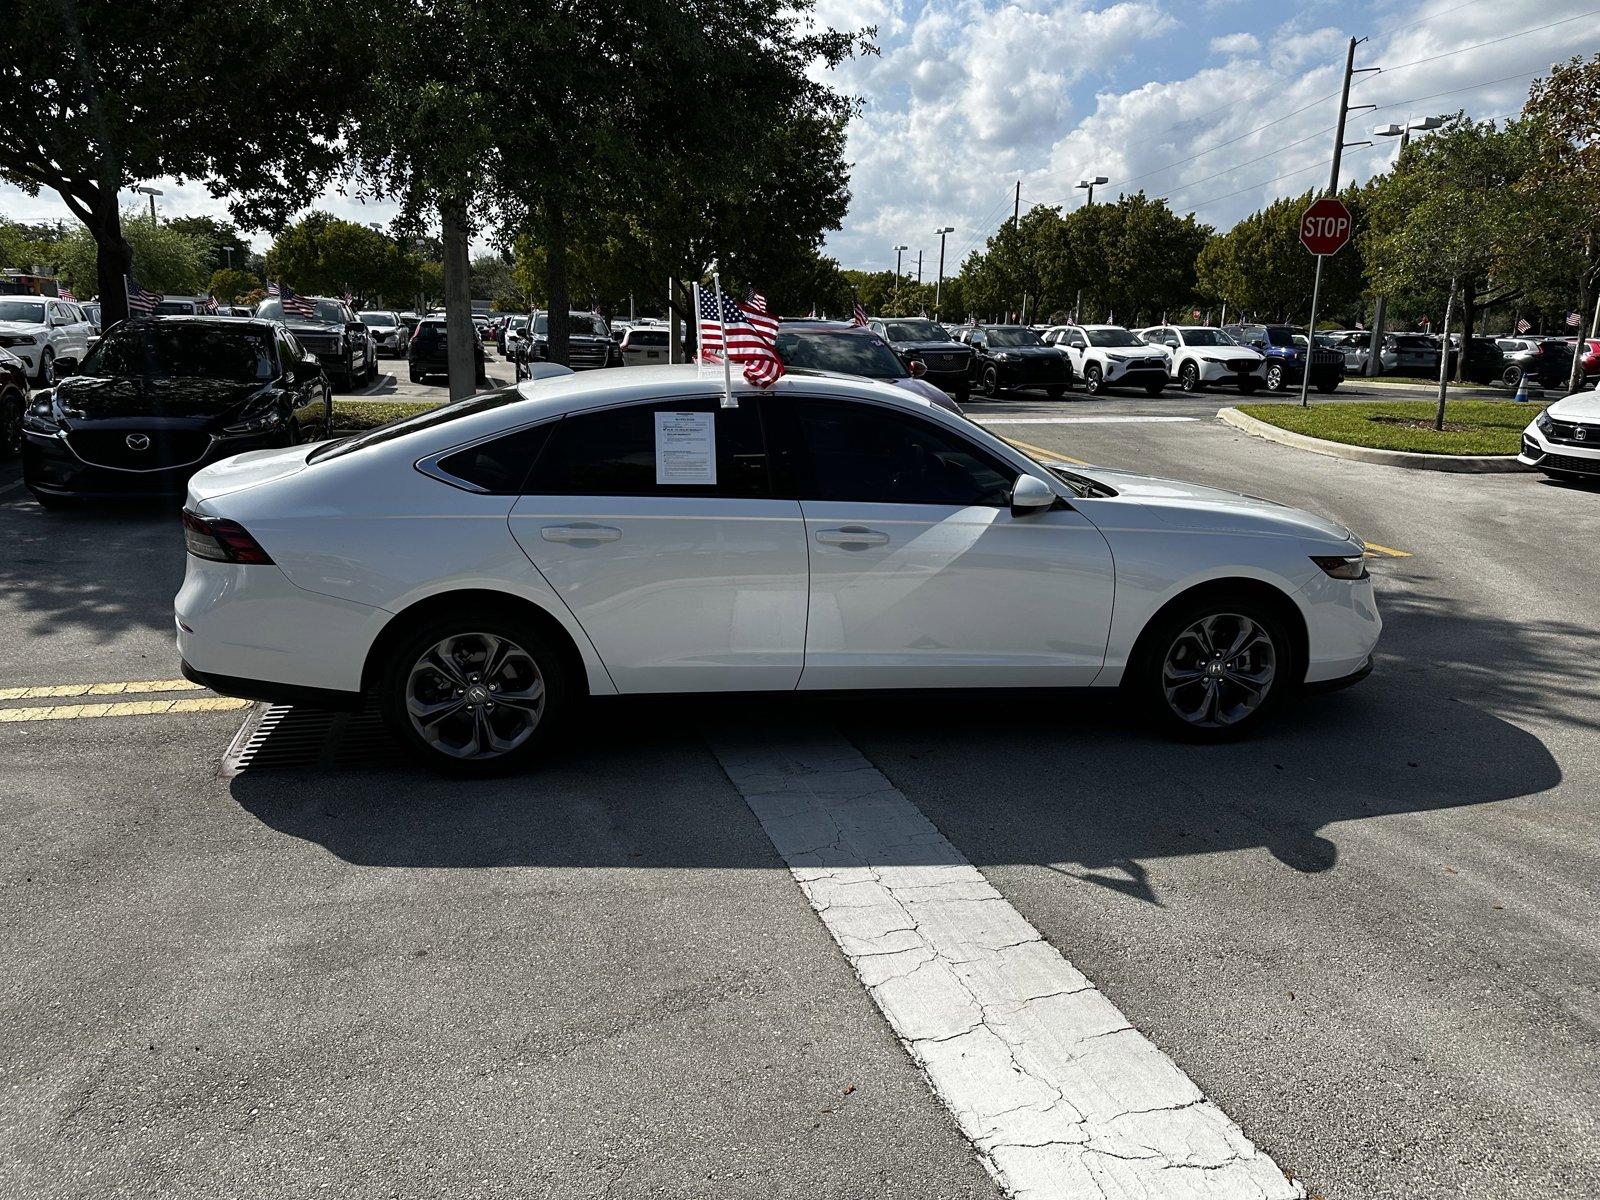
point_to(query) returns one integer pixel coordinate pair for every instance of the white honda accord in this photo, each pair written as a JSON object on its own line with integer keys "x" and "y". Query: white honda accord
{"x": 481, "y": 568}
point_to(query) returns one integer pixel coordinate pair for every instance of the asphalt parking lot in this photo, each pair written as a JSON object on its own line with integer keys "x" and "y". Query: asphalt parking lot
{"x": 1367, "y": 936}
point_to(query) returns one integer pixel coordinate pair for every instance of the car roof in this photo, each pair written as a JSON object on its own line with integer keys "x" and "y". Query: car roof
{"x": 585, "y": 390}
{"x": 201, "y": 319}
{"x": 806, "y": 326}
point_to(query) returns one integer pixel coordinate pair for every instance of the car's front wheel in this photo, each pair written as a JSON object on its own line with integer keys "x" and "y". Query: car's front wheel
{"x": 1094, "y": 379}
{"x": 1212, "y": 670}
{"x": 1277, "y": 380}
{"x": 11, "y": 425}
{"x": 475, "y": 695}
{"x": 47, "y": 368}
{"x": 1189, "y": 378}
{"x": 989, "y": 385}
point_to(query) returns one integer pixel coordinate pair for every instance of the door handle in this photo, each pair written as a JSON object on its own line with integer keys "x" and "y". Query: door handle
{"x": 852, "y": 537}
{"x": 580, "y": 534}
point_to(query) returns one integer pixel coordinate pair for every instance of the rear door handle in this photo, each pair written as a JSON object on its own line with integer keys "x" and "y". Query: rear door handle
{"x": 580, "y": 534}
{"x": 852, "y": 537}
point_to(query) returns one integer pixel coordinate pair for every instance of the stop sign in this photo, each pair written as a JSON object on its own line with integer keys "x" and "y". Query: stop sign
{"x": 1325, "y": 227}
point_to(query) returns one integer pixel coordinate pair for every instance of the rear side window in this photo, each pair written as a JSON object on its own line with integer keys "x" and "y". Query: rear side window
{"x": 875, "y": 455}
{"x": 613, "y": 453}
{"x": 499, "y": 467}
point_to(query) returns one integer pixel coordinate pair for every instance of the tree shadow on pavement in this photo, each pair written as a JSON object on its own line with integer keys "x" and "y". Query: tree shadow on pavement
{"x": 1034, "y": 778}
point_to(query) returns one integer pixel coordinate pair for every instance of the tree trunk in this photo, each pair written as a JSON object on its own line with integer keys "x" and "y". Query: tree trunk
{"x": 460, "y": 336}
{"x": 557, "y": 285}
{"x": 1585, "y": 295}
{"x": 1469, "y": 293}
{"x": 113, "y": 263}
{"x": 1444, "y": 356}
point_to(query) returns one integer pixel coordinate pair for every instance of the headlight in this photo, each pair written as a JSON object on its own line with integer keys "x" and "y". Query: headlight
{"x": 18, "y": 339}
{"x": 1007, "y": 356}
{"x": 258, "y": 418}
{"x": 1353, "y": 566}
{"x": 1219, "y": 361}
{"x": 1543, "y": 420}
{"x": 1117, "y": 357}
{"x": 42, "y": 415}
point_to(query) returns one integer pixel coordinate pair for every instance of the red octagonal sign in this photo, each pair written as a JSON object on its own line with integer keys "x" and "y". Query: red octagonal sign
{"x": 1325, "y": 227}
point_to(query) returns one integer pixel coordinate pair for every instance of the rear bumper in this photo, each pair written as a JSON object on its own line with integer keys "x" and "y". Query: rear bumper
{"x": 272, "y": 693}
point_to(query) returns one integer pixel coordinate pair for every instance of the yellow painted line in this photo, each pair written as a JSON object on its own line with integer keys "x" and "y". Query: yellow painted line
{"x": 1050, "y": 455}
{"x": 125, "y": 708}
{"x": 1389, "y": 551}
{"x": 57, "y": 690}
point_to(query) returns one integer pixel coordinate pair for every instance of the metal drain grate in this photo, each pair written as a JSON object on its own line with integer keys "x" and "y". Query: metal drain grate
{"x": 280, "y": 737}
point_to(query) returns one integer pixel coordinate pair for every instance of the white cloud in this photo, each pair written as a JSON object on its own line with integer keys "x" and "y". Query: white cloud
{"x": 1233, "y": 45}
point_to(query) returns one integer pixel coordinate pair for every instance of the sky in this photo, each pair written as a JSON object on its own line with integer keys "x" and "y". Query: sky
{"x": 1221, "y": 106}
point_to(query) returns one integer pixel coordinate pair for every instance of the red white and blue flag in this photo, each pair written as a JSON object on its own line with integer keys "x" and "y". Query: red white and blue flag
{"x": 1573, "y": 319}
{"x": 141, "y": 301}
{"x": 859, "y": 316}
{"x": 66, "y": 294}
{"x": 746, "y": 336}
{"x": 210, "y": 305}
{"x": 294, "y": 304}
{"x": 272, "y": 289}
{"x": 1522, "y": 325}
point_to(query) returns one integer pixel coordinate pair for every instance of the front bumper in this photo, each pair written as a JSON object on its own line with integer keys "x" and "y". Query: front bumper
{"x": 51, "y": 465}
{"x": 1343, "y": 627}
{"x": 1136, "y": 374}
{"x": 29, "y": 356}
{"x": 1034, "y": 373}
{"x": 1540, "y": 452}
{"x": 1223, "y": 372}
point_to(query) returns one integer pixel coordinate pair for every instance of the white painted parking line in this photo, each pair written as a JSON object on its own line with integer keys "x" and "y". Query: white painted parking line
{"x": 1101, "y": 420}
{"x": 1059, "y": 1093}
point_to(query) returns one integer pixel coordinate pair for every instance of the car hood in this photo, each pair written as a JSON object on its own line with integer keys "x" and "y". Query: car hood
{"x": 1225, "y": 352}
{"x": 88, "y": 398}
{"x": 1581, "y": 406}
{"x": 314, "y": 327}
{"x": 1194, "y": 506}
{"x": 28, "y": 327}
{"x": 933, "y": 347}
{"x": 1027, "y": 351}
{"x": 1132, "y": 352}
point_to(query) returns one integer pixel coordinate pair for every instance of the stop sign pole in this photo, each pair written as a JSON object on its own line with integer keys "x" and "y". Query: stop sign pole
{"x": 1324, "y": 230}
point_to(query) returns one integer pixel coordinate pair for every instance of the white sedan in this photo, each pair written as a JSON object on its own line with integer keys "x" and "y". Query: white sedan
{"x": 483, "y": 567}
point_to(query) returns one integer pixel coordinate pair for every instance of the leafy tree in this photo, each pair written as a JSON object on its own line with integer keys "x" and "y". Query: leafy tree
{"x": 1564, "y": 176}
{"x": 1134, "y": 258}
{"x": 228, "y": 246}
{"x": 1260, "y": 266}
{"x": 88, "y": 108}
{"x": 230, "y": 283}
{"x": 324, "y": 255}
{"x": 162, "y": 258}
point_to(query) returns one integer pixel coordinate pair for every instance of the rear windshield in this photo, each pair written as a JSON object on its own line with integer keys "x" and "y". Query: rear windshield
{"x": 647, "y": 337}
{"x": 378, "y": 320}
{"x": 175, "y": 308}
{"x": 1415, "y": 341}
{"x": 915, "y": 331}
{"x": 405, "y": 425}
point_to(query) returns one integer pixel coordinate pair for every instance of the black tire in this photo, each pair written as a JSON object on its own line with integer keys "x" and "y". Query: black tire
{"x": 964, "y": 396}
{"x": 1249, "y": 387}
{"x": 1189, "y": 378}
{"x": 47, "y": 368}
{"x": 1327, "y": 386}
{"x": 416, "y": 375}
{"x": 989, "y": 384}
{"x": 1154, "y": 389}
{"x": 1169, "y": 639}
{"x": 405, "y": 671}
{"x": 1277, "y": 377}
{"x": 1094, "y": 379}
{"x": 1512, "y": 376}
{"x": 1056, "y": 390}
{"x": 11, "y": 407}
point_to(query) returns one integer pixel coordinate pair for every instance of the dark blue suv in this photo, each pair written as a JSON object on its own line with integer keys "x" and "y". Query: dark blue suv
{"x": 1285, "y": 349}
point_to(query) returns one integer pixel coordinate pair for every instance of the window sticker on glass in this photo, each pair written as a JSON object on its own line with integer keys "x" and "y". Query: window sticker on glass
{"x": 686, "y": 448}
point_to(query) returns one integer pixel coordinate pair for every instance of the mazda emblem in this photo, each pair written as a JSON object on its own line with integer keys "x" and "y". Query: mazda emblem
{"x": 138, "y": 441}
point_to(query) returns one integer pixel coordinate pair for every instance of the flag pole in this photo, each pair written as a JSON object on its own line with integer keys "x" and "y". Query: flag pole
{"x": 727, "y": 371}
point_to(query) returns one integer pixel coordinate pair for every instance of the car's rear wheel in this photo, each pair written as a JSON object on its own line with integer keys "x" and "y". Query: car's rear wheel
{"x": 1189, "y": 378}
{"x": 1094, "y": 379}
{"x": 1211, "y": 671}
{"x": 475, "y": 695}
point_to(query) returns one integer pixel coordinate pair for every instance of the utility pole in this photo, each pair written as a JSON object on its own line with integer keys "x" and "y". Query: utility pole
{"x": 938, "y": 288}
{"x": 919, "y": 268}
{"x": 1016, "y": 206}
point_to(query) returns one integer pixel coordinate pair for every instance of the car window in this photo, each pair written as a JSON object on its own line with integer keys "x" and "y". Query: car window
{"x": 288, "y": 353}
{"x": 483, "y": 402}
{"x": 613, "y": 453}
{"x": 499, "y": 466}
{"x": 875, "y": 455}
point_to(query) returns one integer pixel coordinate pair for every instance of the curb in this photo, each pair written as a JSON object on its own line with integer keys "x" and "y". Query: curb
{"x": 1466, "y": 464}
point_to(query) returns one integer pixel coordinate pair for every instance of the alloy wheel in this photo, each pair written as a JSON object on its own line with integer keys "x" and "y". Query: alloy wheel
{"x": 1189, "y": 377}
{"x": 475, "y": 696}
{"x": 1219, "y": 670}
{"x": 1274, "y": 378}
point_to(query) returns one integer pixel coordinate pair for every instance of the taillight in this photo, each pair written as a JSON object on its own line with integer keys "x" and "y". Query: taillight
{"x": 221, "y": 541}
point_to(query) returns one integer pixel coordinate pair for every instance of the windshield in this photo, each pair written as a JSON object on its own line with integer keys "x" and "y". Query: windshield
{"x": 1207, "y": 337}
{"x": 517, "y": 323}
{"x": 1111, "y": 337}
{"x": 405, "y": 425}
{"x": 1415, "y": 341}
{"x": 329, "y": 312}
{"x": 915, "y": 331}
{"x": 22, "y": 310}
{"x": 1011, "y": 336}
{"x": 378, "y": 320}
{"x": 175, "y": 308}
{"x": 180, "y": 350}
{"x": 583, "y": 325}
{"x": 850, "y": 353}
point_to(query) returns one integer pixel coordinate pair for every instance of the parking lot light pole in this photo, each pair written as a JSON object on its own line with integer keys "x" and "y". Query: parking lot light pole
{"x": 1090, "y": 183}
{"x": 938, "y": 288}
{"x": 898, "y": 250}
{"x": 152, "y": 193}
{"x": 1374, "y": 364}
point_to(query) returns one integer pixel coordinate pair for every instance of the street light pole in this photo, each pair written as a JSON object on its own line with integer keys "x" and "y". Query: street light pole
{"x": 897, "y": 252}
{"x": 1374, "y": 365}
{"x": 938, "y": 288}
{"x": 152, "y": 193}
{"x": 1090, "y": 184}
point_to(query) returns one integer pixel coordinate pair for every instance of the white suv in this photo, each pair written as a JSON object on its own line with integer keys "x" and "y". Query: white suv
{"x": 1201, "y": 354}
{"x": 44, "y": 333}
{"x": 1109, "y": 356}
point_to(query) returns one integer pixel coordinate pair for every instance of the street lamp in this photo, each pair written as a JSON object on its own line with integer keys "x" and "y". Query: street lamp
{"x": 1090, "y": 184}
{"x": 938, "y": 288}
{"x": 152, "y": 193}
{"x": 897, "y": 251}
{"x": 1403, "y": 132}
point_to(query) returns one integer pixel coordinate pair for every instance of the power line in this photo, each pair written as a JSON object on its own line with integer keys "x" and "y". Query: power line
{"x": 1264, "y": 183}
{"x": 1383, "y": 33}
{"x": 1417, "y": 62}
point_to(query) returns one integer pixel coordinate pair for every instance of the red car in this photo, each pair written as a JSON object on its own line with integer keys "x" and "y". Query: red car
{"x": 1591, "y": 357}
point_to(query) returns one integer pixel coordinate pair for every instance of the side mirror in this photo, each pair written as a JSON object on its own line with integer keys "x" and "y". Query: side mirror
{"x": 1030, "y": 496}
{"x": 917, "y": 369}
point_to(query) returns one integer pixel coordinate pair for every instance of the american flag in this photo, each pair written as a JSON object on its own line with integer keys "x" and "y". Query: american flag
{"x": 211, "y": 304}
{"x": 859, "y": 316}
{"x": 141, "y": 303}
{"x": 749, "y": 337}
{"x": 272, "y": 289}
{"x": 1523, "y": 326}
{"x": 1573, "y": 319}
{"x": 296, "y": 305}
{"x": 66, "y": 294}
